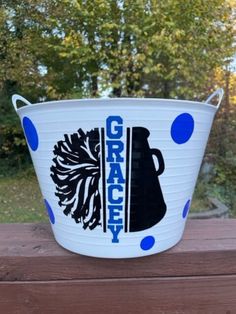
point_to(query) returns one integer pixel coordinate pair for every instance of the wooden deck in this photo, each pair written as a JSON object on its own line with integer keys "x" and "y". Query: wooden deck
{"x": 196, "y": 276}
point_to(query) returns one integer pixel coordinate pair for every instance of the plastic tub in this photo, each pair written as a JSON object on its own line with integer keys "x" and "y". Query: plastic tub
{"x": 117, "y": 175}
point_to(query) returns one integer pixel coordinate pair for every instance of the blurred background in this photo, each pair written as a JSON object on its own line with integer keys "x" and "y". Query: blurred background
{"x": 116, "y": 48}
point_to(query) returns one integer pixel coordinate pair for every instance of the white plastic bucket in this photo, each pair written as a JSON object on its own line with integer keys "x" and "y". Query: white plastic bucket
{"x": 117, "y": 175}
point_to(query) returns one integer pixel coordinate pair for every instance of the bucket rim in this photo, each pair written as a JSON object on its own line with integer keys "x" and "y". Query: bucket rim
{"x": 105, "y": 101}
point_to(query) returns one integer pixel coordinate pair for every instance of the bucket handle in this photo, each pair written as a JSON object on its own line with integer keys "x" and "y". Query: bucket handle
{"x": 220, "y": 93}
{"x": 15, "y": 98}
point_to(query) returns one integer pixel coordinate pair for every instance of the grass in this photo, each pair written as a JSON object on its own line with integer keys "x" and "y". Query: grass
{"x": 199, "y": 204}
{"x": 21, "y": 199}
{"x": 200, "y": 201}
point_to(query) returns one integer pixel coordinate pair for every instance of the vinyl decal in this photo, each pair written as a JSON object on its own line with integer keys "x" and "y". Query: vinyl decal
{"x": 147, "y": 205}
{"x": 50, "y": 212}
{"x": 31, "y": 133}
{"x": 76, "y": 173}
{"x": 107, "y": 178}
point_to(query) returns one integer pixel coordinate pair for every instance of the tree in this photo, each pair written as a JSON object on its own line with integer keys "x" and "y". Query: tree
{"x": 22, "y": 43}
{"x": 166, "y": 48}
{"x": 188, "y": 40}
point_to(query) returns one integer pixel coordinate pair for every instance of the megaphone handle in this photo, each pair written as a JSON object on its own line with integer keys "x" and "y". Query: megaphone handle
{"x": 156, "y": 152}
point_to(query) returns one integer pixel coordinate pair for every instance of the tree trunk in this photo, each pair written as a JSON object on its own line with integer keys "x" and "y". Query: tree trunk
{"x": 94, "y": 85}
{"x": 116, "y": 91}
{"x": 166, "y": 89}
{"x": 225, "y": 118}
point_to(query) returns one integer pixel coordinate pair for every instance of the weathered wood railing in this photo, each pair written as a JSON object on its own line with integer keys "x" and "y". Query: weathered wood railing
{"x": 196, "y": 276}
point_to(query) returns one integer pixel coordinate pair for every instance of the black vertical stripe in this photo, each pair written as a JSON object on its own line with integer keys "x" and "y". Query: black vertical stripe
{"x": 127, "y": 179}
{"x": 103, "y": 178}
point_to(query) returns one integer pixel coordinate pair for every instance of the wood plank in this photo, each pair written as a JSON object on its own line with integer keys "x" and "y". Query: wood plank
{"x": 158, "y": 295}
{"x": 29, "y": 252}
{"x": 195, "y": 229}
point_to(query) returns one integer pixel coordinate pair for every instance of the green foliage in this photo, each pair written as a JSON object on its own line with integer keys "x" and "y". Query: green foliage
{"x": 13, "y": 149}
{"x": 200, "y": 200}
{"x": 221, "y": 152}
{"x": 20, "y": 48}
{"x": 226, "y": 170}
{"x": 224, "y": 181}
{"x": 165, "y": 48}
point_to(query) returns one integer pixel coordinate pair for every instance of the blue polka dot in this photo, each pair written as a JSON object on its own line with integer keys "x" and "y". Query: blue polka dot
{"x": 50, "y": 212}
{"x": 186, "y": 209}
{"x": 31, "y": 133}
{"x": 182, "y": 128}
{"x": 147, "y": 243}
